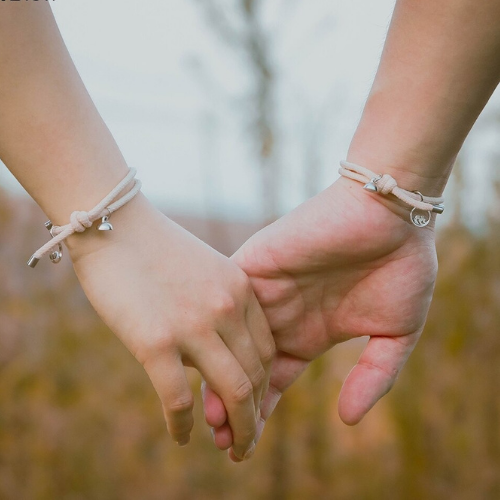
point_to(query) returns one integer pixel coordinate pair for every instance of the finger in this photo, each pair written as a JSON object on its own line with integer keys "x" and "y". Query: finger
{"x": 285, "y": 370}
{"x": 261, "y": 333}
{"x": 239, "y": 341}
{"x": 216, "y": 418}
{"x": 234, "y": 331}
{"x": 226, "y": 377}
{"x": 170, "y": 382}
{"x": 213, "y": 408}
{"x": 374, "y": 375}
{"x": 223, "y": 437}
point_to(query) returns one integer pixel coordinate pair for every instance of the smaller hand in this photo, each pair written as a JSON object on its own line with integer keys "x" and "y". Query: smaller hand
{"x": 175, "y": 301}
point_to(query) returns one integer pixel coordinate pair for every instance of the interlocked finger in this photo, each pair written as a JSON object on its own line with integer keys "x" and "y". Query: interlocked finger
{"x": 224, "y": 374}
{"x": 262, "y": 337}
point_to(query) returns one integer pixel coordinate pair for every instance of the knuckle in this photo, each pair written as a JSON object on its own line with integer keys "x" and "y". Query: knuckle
{"x": 388, "y": 372}
{"x": 179, "y": 405}
{"x": 258, "y": 377}
{"x": 243, "y": 284}
{"x": 154, "y": 346}
{"x": 242, "y": 392}
{"x": 225, "y": 306}
{"x": 246, "y": 435}
{"x": 268, "y": 352}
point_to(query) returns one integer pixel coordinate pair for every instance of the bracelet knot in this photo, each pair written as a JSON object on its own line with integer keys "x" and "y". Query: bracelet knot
{"x": 386, "y": 184}
{"x": 80, "y": 221}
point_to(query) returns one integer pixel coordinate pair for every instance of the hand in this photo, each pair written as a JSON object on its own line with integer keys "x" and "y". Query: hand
{"x": 344, "y": 264}
{"x": 175, "y": 301}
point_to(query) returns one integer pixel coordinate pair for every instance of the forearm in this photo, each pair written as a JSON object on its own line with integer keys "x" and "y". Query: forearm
{"x": 439, "y": 67}
{"x": 51, "y": 135}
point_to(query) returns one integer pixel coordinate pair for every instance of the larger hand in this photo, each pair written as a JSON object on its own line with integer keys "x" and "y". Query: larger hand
{"x": 344, "y": 264}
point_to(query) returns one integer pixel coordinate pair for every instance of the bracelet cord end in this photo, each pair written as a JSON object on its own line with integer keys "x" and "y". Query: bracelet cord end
{"x": 33, "y": 262}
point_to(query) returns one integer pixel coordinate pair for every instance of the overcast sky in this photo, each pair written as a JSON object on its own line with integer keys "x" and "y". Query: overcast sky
{"x": 170, "y": 91}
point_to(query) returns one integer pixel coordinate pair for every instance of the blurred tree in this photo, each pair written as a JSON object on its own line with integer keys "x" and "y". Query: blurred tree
{"x": 244, "y": 27}
{"x": 240, "y": 26}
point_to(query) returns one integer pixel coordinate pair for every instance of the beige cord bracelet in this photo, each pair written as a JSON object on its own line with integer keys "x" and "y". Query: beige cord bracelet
{"x": 422, "y": 206}
{"x": 80, "y": 220}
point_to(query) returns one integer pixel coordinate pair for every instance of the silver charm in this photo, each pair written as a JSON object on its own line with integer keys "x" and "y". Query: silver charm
{"x": 57, "y": 255}
{"x": 372, "y": 185}
{"x": 105, "y": 225}
{"x": 420, "y": 218}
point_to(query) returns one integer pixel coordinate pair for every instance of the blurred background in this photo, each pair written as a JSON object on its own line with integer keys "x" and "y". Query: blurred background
{"x": 234, "y": 112}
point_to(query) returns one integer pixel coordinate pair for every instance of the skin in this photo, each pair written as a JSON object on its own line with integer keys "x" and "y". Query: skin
{"x": 170, "y": 298}
{"x": 348, "y": 263}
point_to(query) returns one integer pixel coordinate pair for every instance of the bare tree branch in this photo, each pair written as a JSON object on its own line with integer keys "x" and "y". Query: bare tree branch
{"x": 219, "y": 21}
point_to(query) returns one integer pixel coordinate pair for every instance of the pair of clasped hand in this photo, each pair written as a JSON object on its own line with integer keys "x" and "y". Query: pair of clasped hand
{"x": 340, "y": 266}
{"x": 345, "y": 264}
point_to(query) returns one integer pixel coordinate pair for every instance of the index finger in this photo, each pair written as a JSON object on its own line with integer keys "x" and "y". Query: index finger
{"x": 285, "y": 369}
{"x": 226, "y": 377}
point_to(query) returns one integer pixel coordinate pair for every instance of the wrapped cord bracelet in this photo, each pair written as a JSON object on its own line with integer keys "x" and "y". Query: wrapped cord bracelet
{"x": 81, "y": 220}
{"x": 422, "y": 206}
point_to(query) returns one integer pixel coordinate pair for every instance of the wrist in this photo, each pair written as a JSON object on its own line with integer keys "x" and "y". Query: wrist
{"x": 125, "y": 222}
{"x": 387, "y": 208}
{"x": 82, "y": 191}
{"x": 387, "y": 143}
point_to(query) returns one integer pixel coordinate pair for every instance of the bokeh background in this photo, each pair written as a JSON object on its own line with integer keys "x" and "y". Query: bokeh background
{"x": 234, "y": 112}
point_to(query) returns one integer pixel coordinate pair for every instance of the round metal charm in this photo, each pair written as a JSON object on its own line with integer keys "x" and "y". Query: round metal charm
{"x": 56, "y": 256}
{"x": 420, "y": 218}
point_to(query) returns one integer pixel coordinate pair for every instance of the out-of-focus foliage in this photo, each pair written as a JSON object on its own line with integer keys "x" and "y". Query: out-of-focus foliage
{"x": 80, "y": 420}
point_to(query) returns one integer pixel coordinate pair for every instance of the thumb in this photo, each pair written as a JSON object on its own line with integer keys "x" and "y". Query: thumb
{"x": 374, "y": 375}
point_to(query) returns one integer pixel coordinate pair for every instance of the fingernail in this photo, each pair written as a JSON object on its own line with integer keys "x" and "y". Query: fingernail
{"x": 249, "y": 453}
{"x": 184, "y": 441}
{"x": 212, "y": 431}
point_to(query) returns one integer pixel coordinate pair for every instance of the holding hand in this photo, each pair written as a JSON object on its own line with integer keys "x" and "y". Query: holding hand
{"x": 170, "y": 298}
{"x": 340, "y": 266}
{"x": 175, "y": 301}
{"x": 346, "y": 263}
